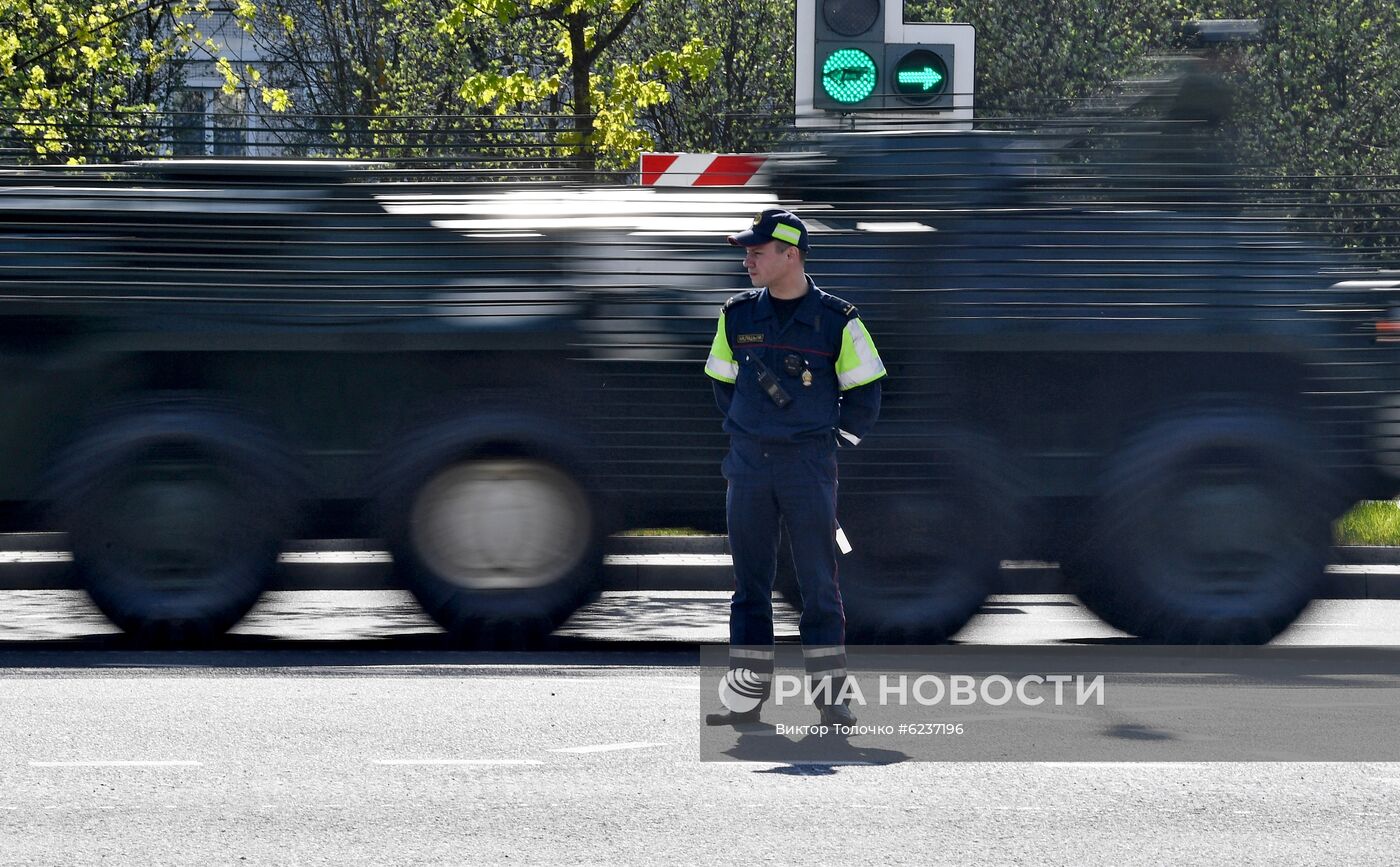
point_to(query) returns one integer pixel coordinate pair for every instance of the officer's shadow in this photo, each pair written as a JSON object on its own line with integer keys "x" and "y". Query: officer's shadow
{"x": 813, "y": 755}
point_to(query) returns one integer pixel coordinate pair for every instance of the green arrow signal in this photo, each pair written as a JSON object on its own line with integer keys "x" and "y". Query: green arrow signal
{"x": 849, "y": 75}
{"x": 928, "y": 77}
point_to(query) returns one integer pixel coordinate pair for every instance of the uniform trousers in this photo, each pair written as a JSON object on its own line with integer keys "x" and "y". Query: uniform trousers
{"x": 790, "y": 485}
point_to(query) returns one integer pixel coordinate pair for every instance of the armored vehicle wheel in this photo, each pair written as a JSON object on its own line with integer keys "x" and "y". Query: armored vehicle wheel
{"x": 175, "y": 513}
{"x": 924, "y": 560}
{"x": 1210, "y": 529}
{"x": 495, "y": 533}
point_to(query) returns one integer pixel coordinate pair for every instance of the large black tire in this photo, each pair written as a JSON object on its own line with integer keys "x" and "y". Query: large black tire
{"x": 175, "y": 511}
{"x": 928, "y": 548}
{"x": 1212, "y": 527}
{"x": 494, "y": 527}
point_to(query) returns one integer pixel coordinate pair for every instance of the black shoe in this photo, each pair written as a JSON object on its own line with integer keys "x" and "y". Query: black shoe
{"x": 837, "y": 715}
{"x": 730, "y": 718}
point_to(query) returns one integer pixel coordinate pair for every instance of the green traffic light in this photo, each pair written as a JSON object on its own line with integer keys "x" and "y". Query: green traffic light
{"x": 849, "y": 75}
{"x": 920, "y": 76}
{"x": 927, "y": 78}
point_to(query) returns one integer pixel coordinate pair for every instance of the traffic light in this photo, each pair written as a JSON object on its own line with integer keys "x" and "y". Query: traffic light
{"x": 919, "y": 73}
{"x": 855, "y": 69}
{"x": 850, "y": 51}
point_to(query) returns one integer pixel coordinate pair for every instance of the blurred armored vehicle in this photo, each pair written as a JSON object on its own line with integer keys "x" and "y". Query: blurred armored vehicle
{"x": 1109, "y": 347}
{"x": 199, "y": 360}
{"x": 1104, "y": 356}
{"x": 1169, "y": 392}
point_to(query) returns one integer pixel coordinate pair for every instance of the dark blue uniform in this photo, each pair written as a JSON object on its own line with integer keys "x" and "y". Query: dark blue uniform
{"x": 781, "y": 464}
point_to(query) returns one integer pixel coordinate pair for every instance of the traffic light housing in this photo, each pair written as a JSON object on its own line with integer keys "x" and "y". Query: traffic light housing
{"x": 919, "y": 76}
{"x": 850, "y": 52}
{"x": 855, "y": 66}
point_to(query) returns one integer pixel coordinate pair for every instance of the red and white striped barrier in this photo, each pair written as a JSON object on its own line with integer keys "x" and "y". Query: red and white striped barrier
{"x": 701, "y": 170}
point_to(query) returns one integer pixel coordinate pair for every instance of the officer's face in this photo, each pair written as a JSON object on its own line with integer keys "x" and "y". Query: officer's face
{"x": 769, "y": 263}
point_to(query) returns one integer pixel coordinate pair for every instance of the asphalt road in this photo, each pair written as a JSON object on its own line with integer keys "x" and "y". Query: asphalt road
{"x": 337, "y": 728}
{"x": 590, "y": 761}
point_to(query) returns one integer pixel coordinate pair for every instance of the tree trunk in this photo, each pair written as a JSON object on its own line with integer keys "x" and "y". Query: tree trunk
{"x": 580, "y": 78}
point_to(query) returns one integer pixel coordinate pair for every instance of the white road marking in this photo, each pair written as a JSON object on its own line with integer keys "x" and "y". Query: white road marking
{"x": 117, "y": 764}
{"x": 1348, "y": 569}
{"x": 331, "y": 557}
{"x": 605, "y": 748}
{"x": 668, "y": 560}
{"x": 1089, "y": 619}
{"x": 458, "y": 762}
{"x": 369, "y": 556}
{"x": 35, "y": 557}
{"x": 334, "y": 557}
{"x": 1122, "y": 764}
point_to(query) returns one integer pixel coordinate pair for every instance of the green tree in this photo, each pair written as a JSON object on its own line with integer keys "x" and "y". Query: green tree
{"x": 562, "y": 61}
{"x": 82, "y": 80}
{"x": 352, "y": 66}
{"x": 746, "y": 102}
{"x": 1036, "y": 59}
{"x": 1317, "y": 111}
{"x": 523, "y": 80}
{"x": 1322, "y": 112}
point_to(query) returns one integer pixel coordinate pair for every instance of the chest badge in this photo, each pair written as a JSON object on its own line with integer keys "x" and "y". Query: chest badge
{"x": 794, "y": 364}
{"x": 748, "y": 338}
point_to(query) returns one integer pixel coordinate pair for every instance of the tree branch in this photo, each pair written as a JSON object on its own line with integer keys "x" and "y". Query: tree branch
{"x": 154, "y": 4}
{"x": 601, "y": 45}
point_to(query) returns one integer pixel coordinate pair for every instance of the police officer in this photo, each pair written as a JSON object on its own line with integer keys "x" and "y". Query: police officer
{"x": 795, "y": 373}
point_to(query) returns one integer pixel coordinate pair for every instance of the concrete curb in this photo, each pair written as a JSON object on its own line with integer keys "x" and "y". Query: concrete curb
{"x": 636, "y": 563}
{"x": 639, "y": 563}
{"x": 1377, "y": 555}
{"x": 667, "y": 545}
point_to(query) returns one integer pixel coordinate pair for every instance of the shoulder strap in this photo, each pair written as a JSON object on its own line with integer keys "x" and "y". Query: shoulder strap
{"x": 840, "y": 305}
{"x": 741, "y": 298}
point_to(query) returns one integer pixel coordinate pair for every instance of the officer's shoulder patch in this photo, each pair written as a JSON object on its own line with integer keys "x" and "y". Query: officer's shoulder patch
{"x": 742, "y": 297}
{"x": 840, "y": 305}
